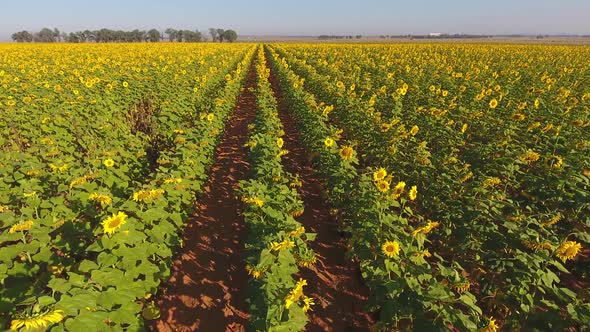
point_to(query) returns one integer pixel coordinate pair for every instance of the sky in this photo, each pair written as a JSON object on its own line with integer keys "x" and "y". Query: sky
{"x": 303, "y": 17}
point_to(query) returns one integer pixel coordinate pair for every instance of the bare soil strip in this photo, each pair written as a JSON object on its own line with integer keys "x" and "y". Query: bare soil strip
{"x": 334, "y": 282}
{"x": 208, "y": 287}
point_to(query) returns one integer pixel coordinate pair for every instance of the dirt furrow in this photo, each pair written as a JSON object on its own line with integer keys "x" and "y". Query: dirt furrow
{"x": 334, "y": 281}
{"x": 208, "y": 287}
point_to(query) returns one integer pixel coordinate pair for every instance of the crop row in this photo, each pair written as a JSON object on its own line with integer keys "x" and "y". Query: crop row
{"x": 276, "y": 245}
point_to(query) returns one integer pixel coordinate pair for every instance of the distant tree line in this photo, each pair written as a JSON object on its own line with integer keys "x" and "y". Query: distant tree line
{"x": 47, "y": 35}
{"x": 324, "y": 37}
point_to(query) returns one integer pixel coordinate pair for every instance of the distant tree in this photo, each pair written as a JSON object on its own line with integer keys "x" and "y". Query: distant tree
{"x": 230, "y": 35}
{"x": 153, "y": 35}
{"x": 87, "y": 35}
{"x": 22, "y": 37}
{"x": 220, "y": 35}
{"x": 64, "y": 36}
{"x": 171, "y": 34}
{"x": 213, "y": 33}
{"x": 358, "y": 36}
{"x": 191, "y": 36}
{"x": 73, "y": 37}
{"x": 56, "y": 34}
{"x": 44, "y": 36}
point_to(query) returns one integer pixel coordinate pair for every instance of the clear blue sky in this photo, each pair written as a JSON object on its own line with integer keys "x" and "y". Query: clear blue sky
{"x": 303, "y": 17}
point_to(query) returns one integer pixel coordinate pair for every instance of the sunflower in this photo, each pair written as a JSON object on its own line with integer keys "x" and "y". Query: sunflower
{"x": 413, "y": 193}
{"x": 493, "y": 103}
{"x": 255, "y": 272}
{"x": 40, "y": 322}
{"x": 536, "y": 246}
{"x": 102, "y": 199}
{"x": 491, "y": 325}
{"x": 426, "y": 229}
{"x": 109, "y": 162}
{"x": 21, "y": 227}
{"x": 390, "y": 249}
{"x": 253, "y": 200}
{"x": 327, "y": 110}
{"x": 398, "y": 190}
{"x": 463, "y": 128}
{"x": 346, "y": 152}
{"x": 530, "y": 156}
{"x": 280, "y": 142}
{"x": 518, "y": 116}
{"x": 210, "y": 117}
{"x": 298, "y": 231}
{"x": 380, "y": 174}
{"x": 278, "y": 246}
{"x": 461, "y": 287}
{"x": 306, "y": 261}
{"x": 491, "y": 182}
{"x": 125, "y": 84}
{"x": 296, "y": 293}
{"x": 382, "y": 186}
{"x": 111, "y": 224}
{"x": 568, "y": 250}
{"x": 557, "y": 161}
{"x": 307, "y": 303}
{"x": 328, "y": 142}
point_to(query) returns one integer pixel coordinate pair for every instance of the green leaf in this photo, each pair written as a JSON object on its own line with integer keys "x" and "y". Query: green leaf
{"x": 87, "y": 266}
{"x": 45, "y": 301}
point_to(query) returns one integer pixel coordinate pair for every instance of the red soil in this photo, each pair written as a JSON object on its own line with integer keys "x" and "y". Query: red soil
{"x": 207, "y": 289}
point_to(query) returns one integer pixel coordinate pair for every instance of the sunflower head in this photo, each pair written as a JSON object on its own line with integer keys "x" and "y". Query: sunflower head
{"x": 493, "y": 103}
{"x": 329, "y": 142}
{"x": 114, "y": 222}
{"x": 390, "y": 249}
{"x": 413, "y": 193}
{"x": 568, "y": 250}
{"x": 380, "y": 174}
{"x": 382, "y": 186}
{"x": 346, "y": 152}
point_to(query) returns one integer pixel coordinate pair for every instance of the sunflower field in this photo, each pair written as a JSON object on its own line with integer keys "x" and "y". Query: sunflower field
{"x": 459, "y": 175}
{"x": 103, "y": 150}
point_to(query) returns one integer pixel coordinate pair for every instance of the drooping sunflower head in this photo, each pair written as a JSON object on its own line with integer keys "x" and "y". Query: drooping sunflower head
{"x": 38, "y": 322}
